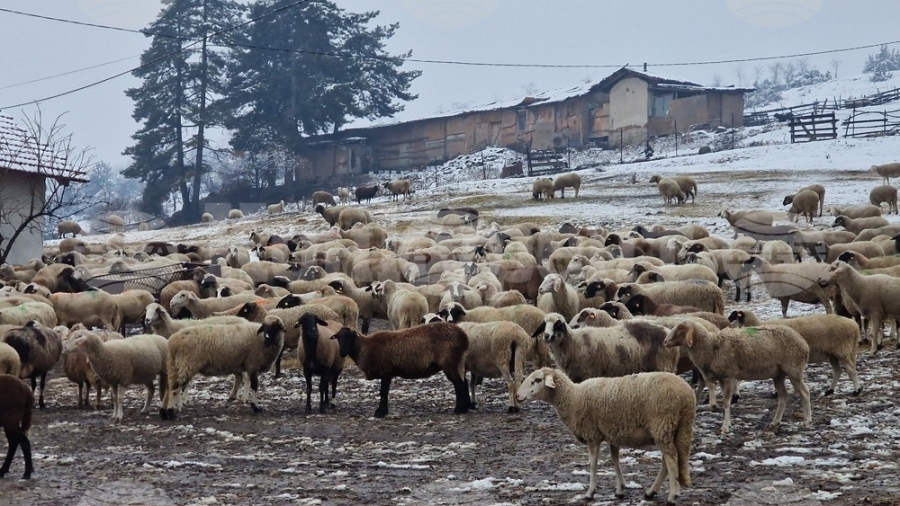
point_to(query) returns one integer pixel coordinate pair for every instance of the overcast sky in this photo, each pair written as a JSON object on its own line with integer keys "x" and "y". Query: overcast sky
{"x": 573, "y": 32}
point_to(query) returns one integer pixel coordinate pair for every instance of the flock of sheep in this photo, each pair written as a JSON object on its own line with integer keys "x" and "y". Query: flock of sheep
{"x": 620, "y": 313}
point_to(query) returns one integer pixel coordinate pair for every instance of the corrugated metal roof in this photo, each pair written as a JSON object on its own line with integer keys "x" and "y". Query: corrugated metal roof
{"x": 20, "y": 152}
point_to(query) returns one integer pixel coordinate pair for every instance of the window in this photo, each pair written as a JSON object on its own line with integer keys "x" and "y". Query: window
{"x": 521, "y": 117}
{"x": 659, "y": 108}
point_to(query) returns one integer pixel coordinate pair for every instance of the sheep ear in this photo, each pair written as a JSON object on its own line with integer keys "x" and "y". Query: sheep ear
{"x": 540, "y": 329}
{"x": 557, "y": 284}
{"x": 689, "y": 336}
{"x": 321, "y": 322}
{"x": 548, "y": 380}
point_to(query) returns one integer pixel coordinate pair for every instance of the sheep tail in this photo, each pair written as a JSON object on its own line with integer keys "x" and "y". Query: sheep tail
{"x": 684, "y": 433}
{"x": 512, "y": 359}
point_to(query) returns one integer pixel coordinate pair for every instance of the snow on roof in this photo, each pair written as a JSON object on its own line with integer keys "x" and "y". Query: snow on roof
{"x": 20, "y": 152}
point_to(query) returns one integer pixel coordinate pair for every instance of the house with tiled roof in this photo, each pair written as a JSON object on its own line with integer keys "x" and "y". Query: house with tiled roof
{"x": 25, "y": 166}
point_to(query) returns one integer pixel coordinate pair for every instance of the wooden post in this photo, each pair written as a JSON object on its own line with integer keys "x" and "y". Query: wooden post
{"x": 676, "y": 137}
{"x": 621, "y": 147}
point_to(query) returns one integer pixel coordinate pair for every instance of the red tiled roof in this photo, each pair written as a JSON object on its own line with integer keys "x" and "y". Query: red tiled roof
{"x": 19, "y": 152}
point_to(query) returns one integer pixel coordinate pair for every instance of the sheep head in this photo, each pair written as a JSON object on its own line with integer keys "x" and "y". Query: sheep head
{"x": 681, "y": 334}
{"x": 581, "y": 319}
{"x": 452, "y": 312}
{"x": 272, "y": 329}
{"x": 430, "y": 318}
{"x": 553, "y": 328}
{"x": 537, "y": 386}
{"x": 736, "y": 318}
{"x": 551, "y": 283}
{"x": 348, "y": 342}
{"x": 836, "y": 270}
{"x": 290, "y": 300}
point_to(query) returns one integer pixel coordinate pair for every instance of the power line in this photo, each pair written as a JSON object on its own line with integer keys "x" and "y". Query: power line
{"x": 163, "y": 57}
{"x": 68, "y": 73}
{"x": 455, "y": 62}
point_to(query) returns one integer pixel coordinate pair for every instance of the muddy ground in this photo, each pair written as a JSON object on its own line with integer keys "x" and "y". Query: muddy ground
{"x": 221, "y": 453}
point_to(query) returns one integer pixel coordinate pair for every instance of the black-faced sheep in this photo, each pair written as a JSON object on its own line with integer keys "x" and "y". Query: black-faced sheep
{"x": 861, "y": 211}
{"x": 857, "y": 225}
{"x": 752, "y": 353}
{"x": 16, "y": 407}
{"x": 696, "y": 292}
{"x": 414, "y": 353}
{"x": 639, "y": 410}
{"x": 319, "y": 355}
{"x": 642, "y": 304}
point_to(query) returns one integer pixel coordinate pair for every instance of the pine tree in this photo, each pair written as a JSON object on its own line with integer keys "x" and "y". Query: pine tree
{"x": 280, "y": 97}
{"x": 881, "y": 64}
{"x": 182, "y": 78}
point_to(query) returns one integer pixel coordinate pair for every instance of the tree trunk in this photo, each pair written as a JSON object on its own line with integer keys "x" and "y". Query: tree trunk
{"x": 201, "y": 123}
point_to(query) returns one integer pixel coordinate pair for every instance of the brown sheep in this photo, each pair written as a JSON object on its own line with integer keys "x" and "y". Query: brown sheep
{"x": 560, "y": 184}
{"x": 321, "y": 197}
{"x": 16, "y": 406}
{"x": 398, "y": 187}
{"x": 414, "y": 353}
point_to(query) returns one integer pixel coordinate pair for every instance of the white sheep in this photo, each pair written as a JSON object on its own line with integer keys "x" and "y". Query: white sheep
{"x": 77, "y": 367}
{"x": 590, "y": 352}
{"x": 344, "y": 195}
{"x": 469, "y": 297}
{"x": 203, "y": 308}
{"x": 698, "y": 293}
{"x": 751, "y": 353}
{"x": 857, "y": 225}
{"x": 207, "y": 218}
{"x": 884, "y": 193}
{"x": 275, "y": 208}
{"x": 158, "y": 321}
{"x": 9, "y": 360}
{"x": 861, "y": 211}
{"x": 687, "y": 184}
{"x": 877, "y": 296}
{"x": 670, "y": 191}
{"x": 217, "y": 350}
{"x": 29, "y": 311}
{"x": 806, "y": 203}
{"x": 570, "y": 180}
{"x": 639, "y": 410}
{"x": 235, "y": 214}
{"x": 499, "y": 350}
{"x": 787, "y": 282}
{"x": 137, "y": 360}
{"x": 831, "y": 338}
{"x": 741, "y": 220}
{"x": 557, "y": 297}
{"x": 886, "y": 171}
{"x": 404, "y": 308}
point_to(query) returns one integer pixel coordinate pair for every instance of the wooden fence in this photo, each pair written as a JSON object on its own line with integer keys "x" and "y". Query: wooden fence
{"x": 756, "y": 118}
{"x": 546, "y": 161}
{"x": 813, "y": 127}
{"x": 871, "y": 123}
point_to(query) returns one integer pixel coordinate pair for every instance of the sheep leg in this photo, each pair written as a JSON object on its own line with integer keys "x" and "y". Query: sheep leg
{"x": 473, "y": 384}
{"x": 12, "y": 440}
{"x": 876, "y": 325}
{"x": 235, "y": 387}
{"x": 99, "y": 388}
{"x": 850, "y": 367}
{"x": 307, "y": 375}
{"x": 835, "y": 375}
{"x": 115, "y": 401}
{"x": 80, "y": 395}
{"x": 382, "y": 410}
{"x": 323, "y": 393}
{"x": 26, "y": 452}
{"x": 801, "y": 388}
{"x": 151, "y": 389}
{"x": 43, "y": 382}
{"x": 727, "y": 390}
{"x": 784, "y": 305}
{"x": 593, "y": 455}
{"x": 334, "y": 379}
{"x": 254, "y": 386}
{"x": 617, "y": 466}
{"x": 782, "y": 402}
{"x": 278, "y": 363}
{"x": 365, "y": 325}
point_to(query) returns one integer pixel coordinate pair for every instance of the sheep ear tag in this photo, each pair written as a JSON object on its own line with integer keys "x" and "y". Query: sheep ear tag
{"x": 548, "y": 380}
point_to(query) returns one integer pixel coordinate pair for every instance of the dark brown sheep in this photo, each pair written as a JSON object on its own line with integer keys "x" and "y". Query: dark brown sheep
{"x": 319, "y": 355}
{"x": 16, "y": 406}
{"x": 413, "y": 353}
{"x": 366, "y": 193}
{"x": 641, "y": 304}
{"x": 39, "y": 349}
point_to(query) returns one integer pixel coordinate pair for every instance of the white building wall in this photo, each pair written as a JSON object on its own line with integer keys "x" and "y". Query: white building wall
{"x": 628, "y": 106}
{"x": 16, "y": 191}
